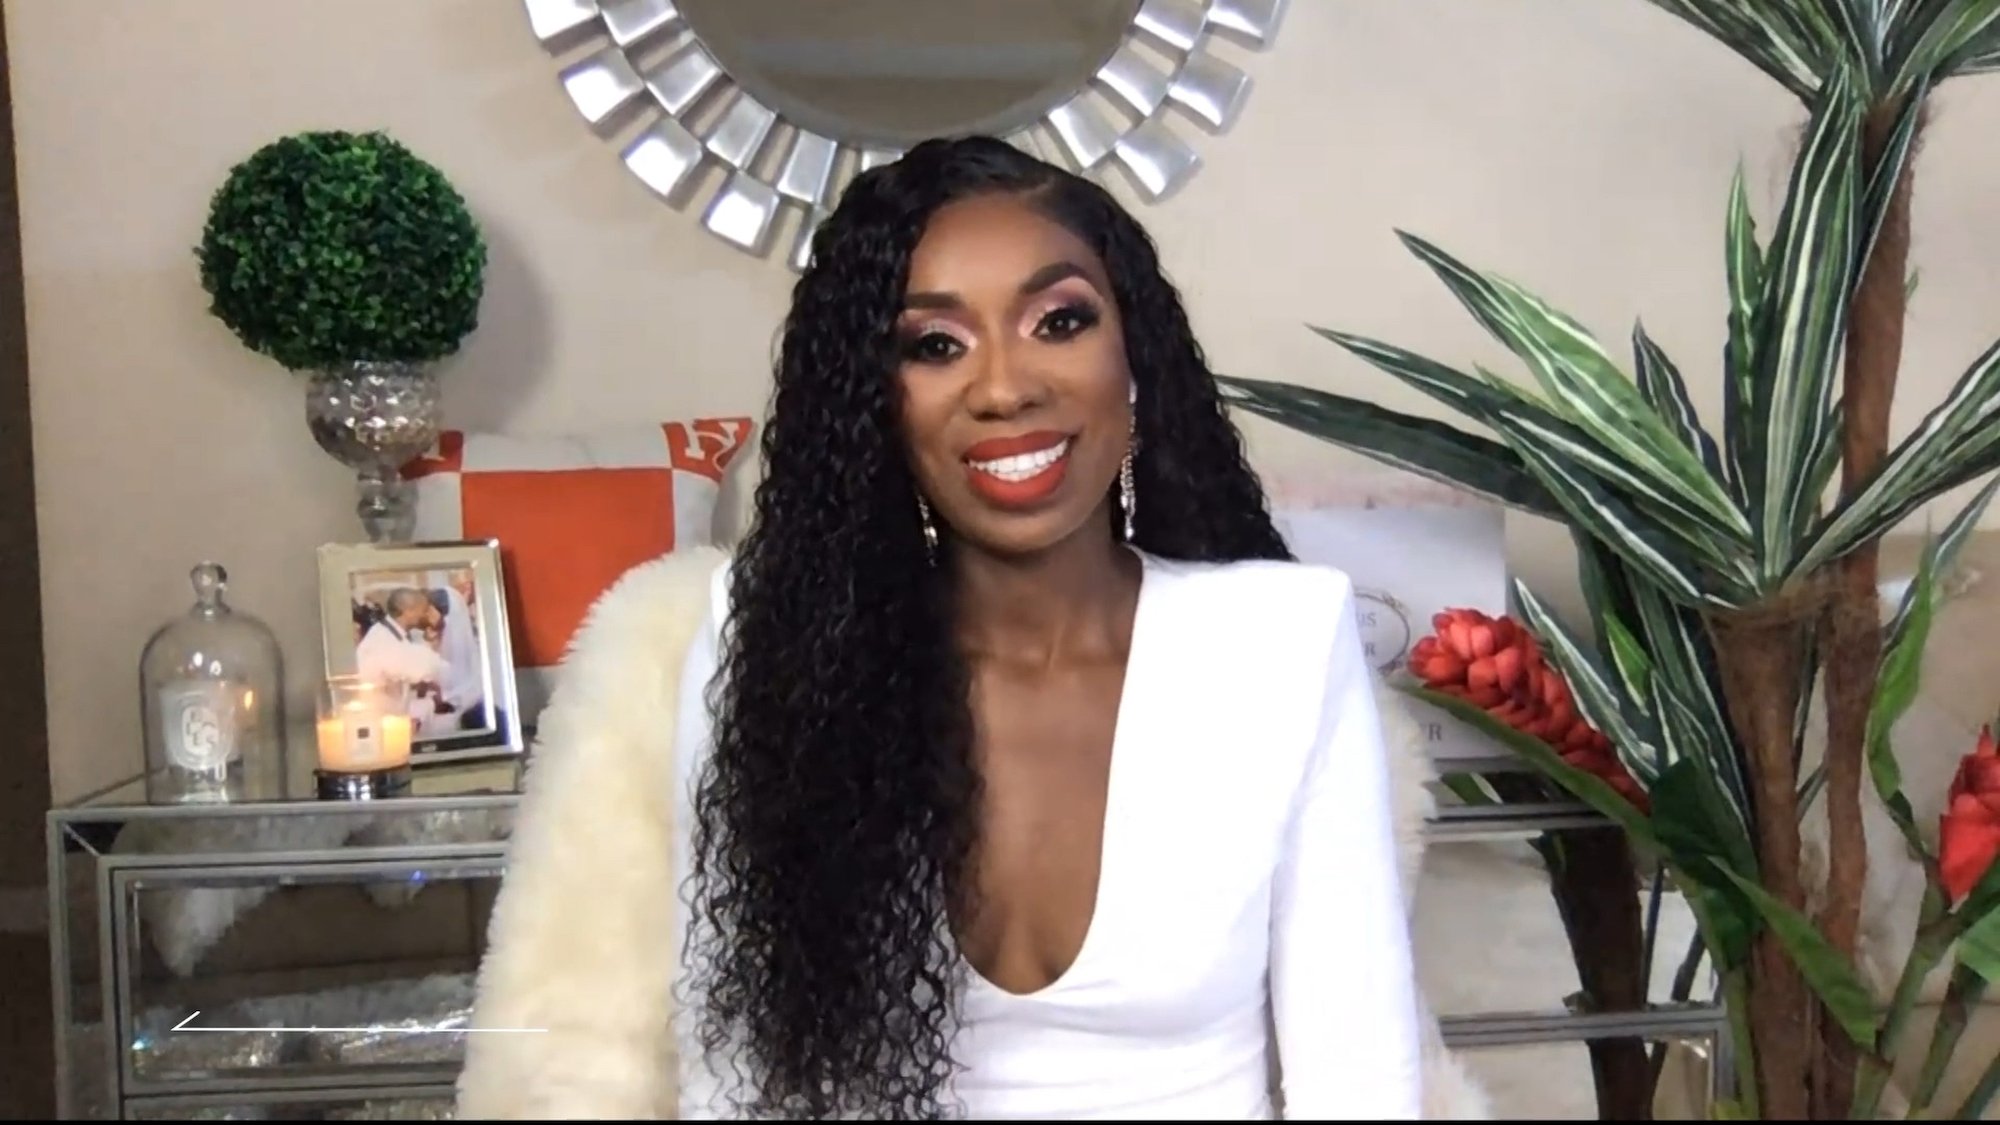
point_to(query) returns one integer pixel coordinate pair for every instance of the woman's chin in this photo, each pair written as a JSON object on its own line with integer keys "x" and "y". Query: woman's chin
{"x": 1021, "y": 535}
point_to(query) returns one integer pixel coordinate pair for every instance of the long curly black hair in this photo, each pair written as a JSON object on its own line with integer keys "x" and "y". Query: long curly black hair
{"x": 836, "y": 816}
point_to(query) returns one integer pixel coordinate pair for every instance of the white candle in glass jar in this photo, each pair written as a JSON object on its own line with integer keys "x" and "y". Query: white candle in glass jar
{"x": 358, "y": 735}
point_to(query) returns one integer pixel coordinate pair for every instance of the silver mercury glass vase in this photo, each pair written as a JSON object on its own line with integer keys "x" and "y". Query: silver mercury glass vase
{"x": 375, "y": 418}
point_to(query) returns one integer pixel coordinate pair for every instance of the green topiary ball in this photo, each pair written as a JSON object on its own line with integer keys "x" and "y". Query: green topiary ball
{"x": 328, "y": 248}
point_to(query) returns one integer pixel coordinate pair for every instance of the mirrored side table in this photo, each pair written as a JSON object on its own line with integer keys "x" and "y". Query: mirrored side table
{"x": 281, "y": 957}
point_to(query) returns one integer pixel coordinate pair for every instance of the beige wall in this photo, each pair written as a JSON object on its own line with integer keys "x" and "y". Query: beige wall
{"x": 1583, "y": 146}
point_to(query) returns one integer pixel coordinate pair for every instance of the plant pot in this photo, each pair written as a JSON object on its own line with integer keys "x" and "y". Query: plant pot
{"x": 375, "y": 418}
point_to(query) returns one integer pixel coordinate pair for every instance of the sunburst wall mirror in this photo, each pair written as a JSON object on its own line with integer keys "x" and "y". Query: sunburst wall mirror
{"x": 770, "y": 107}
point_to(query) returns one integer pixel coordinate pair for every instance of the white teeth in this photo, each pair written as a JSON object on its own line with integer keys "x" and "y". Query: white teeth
{"x": 1024, "y": 465}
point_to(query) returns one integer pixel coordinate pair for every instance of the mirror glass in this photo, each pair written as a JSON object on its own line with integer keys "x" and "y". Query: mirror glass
{"x": 890, "y": 73}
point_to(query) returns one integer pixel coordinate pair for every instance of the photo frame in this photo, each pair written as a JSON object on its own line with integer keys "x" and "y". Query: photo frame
{"x": 432, "y": 618}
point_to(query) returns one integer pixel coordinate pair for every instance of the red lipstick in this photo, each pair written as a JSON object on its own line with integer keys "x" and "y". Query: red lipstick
{"x": 992, "y": 449}
{"x": 1008, "y": 473}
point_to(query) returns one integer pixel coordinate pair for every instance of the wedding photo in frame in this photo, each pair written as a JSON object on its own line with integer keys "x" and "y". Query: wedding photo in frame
{"x": 430, "y": 620}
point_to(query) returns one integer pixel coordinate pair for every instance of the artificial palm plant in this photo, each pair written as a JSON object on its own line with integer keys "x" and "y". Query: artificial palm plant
{"x": 1729, "y": 574}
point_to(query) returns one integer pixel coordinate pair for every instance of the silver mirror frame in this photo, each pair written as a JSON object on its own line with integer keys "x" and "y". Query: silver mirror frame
{"x": 640, "y": 62}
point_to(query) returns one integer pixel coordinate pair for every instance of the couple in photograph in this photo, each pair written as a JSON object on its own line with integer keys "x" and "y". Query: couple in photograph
{"x": 425, "y": 640}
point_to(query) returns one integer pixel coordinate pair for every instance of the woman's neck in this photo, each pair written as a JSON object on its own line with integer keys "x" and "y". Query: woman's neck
{"x": 1075, "y": 599}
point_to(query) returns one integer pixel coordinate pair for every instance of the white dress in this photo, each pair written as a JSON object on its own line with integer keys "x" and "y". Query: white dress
{"x": 1248, "y": 958}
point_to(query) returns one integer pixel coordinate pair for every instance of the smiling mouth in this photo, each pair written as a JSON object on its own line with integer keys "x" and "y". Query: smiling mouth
{"x": 1012, "y": 477}
{"x": 1023, "y": 466}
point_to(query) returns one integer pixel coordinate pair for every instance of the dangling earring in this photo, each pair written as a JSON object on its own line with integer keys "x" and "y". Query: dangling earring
{"x": 1126, "y": 498}
{"x": 930, "y": 530}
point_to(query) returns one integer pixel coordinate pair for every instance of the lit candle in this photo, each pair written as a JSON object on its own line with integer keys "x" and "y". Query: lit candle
{"x": 359, "y": 730}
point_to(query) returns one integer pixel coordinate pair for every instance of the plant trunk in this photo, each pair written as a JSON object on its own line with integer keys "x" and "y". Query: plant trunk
{"x": 1759, "y": 651}
{"x": 1592, "y": 874}
{"x": 1591, "y": 878}
{"x": 1852, "y": 627}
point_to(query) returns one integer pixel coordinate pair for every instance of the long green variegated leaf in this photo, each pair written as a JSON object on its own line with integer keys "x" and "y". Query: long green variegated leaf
{"x": 1813, "y": 21}
{"x": 1526, "y": 423}
{"x": 1663, "y": 508}
{"x": 1693, "y": 821}
{"x": 1706, "y": 847}
{"x": 1745, "y": 261}
{"x": 1976, "y": 454}
{"x": 1684, "y": 740}
{"x": 1975, "y": 459}
{"x": 1680, "y": 660}
{"x": 1678, "y": 742}
{"x": 1585, "y": 386}
{"x": 1420, "y": 445}
{"x": 1931, "y": 459}
{"x": 1597, "y": 697}
{"x": 1628, "y": 659}
{"x": 1940, "y": 39}
{"x": 1889, "y": 168}
{"x": 1607, "y": 589}
{"x": 1656, "y": 666}
{"x": 1983, "y": 58}
{"x": 1464, "y": 393}
{"x": 1666, "y": 392}
{"x": 1759, "y": 31}
{"x": 1802, "y": 320}
{"x": 1685, "y": 659}
{"x": 1606, "y": 516}
{"x": 1979, "y": 45}
{"x": 1890, "y": 44}
{"x": 1907, "y": 21}
{"x": 1825, "y": 464}
{"x": 1939, "y": 557}
{"x": 1862, "y": 29}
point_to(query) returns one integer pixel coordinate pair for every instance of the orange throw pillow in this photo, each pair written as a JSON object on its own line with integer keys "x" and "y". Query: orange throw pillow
{"x": 573, "y": 513}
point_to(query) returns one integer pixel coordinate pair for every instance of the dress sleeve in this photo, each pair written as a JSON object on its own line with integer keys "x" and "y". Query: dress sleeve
{"x": 700, "y": 1089}
{"x": 1343, "y": 989}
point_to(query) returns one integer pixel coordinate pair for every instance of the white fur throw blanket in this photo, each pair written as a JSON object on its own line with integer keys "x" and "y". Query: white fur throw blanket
{"x": 580, "y": 937}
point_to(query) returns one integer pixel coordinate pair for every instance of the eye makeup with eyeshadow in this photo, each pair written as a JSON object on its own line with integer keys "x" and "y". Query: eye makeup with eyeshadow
{"x": 931, "y": 342}
{"x": 1064, "y": 306}
{"x": 1068, "y": 318}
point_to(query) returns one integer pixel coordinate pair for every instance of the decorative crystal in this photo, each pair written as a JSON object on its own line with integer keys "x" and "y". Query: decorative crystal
{"x": 375, "y": 418}
{"x": 211, "y": 697}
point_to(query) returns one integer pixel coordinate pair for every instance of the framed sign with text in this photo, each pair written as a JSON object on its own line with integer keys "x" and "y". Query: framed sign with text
{"x": 1413, "y": 551}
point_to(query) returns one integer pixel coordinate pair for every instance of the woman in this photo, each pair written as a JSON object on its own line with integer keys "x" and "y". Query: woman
{"x": 1023, "y": 774}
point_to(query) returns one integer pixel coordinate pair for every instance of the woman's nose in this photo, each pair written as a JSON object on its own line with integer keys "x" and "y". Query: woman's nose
{"x": 1003, "y": 386}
